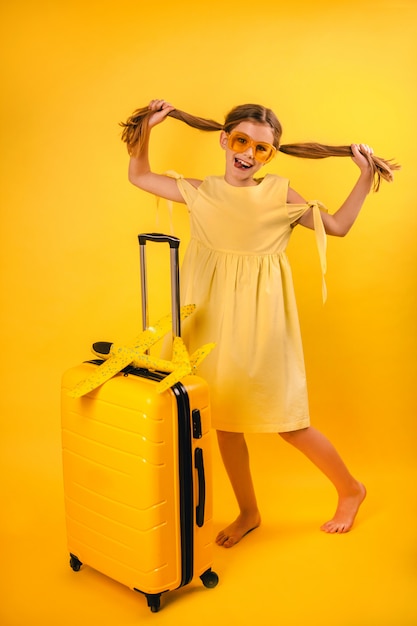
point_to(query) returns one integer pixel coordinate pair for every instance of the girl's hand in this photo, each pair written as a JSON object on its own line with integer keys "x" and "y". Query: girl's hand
{"x": 358, "y": 152}
{"x": 160, "y": 109}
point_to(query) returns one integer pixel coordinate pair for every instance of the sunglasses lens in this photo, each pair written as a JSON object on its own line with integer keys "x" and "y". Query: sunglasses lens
{"x": 263, "y": 152}
{"x": 238, "y": 142}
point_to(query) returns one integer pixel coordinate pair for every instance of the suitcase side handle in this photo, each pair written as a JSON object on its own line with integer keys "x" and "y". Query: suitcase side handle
{"x": 199, "y": 465}
{"x": 174, "y": 244}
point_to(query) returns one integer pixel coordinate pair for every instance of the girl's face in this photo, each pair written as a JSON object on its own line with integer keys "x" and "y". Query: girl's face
{"x": 241, "y": 167}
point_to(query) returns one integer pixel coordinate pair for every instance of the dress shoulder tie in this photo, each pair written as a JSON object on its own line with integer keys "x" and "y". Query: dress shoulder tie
{"x": 321, "y": 241}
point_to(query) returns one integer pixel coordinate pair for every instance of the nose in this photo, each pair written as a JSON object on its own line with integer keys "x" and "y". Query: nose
{"x": 250, "y": 150}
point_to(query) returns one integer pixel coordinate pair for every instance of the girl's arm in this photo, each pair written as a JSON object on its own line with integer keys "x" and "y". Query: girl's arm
{"x": 340, "y": 223}
{"x": 140, "y": 173}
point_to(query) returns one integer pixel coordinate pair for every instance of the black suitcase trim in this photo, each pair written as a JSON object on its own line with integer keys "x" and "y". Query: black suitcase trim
{"x": 186, "y": 483}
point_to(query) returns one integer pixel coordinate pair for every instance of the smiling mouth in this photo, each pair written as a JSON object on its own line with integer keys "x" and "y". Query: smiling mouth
{"x": 242, "y": 165}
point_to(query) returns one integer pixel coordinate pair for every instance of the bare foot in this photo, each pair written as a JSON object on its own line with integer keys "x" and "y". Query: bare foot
{"x": 346, "y": 511}
{"x": 242, "y": 525}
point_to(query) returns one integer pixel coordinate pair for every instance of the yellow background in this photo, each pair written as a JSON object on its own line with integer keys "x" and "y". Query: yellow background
{"x": 334, "y": 72}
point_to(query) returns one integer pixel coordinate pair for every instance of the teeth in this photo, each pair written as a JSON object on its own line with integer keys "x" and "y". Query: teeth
{"x": 243, "y": 163}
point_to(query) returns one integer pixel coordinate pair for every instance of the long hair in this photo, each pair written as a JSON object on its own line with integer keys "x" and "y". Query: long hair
{"x": 136, "y": 132}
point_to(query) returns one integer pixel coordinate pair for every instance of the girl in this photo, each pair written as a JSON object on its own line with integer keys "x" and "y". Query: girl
{"x": 235, "y": 270}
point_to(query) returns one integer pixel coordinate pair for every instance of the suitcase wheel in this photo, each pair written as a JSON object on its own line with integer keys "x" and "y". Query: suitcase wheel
{"x": 75, "y": 563}
{"x": 154, "y": 601}
{"x": 209, "y": 579}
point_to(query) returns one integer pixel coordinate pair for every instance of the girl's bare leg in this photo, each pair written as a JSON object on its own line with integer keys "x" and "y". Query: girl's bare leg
{"x": 235, "y": 457}
{"x": 323, "y": 454}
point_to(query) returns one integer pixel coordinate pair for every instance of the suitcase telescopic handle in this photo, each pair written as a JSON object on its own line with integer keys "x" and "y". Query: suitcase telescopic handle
{"x": 174, "y": 244}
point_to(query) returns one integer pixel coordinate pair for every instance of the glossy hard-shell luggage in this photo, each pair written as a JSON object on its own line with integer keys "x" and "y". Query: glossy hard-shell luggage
{"x": 137, "y": 472}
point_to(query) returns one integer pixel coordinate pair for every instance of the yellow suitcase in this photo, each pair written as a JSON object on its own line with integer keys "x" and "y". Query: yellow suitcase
{"x": 137, "y": 474}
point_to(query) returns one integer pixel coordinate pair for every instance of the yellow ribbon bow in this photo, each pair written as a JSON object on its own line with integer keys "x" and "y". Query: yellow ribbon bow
{"x": 121, "y": 356}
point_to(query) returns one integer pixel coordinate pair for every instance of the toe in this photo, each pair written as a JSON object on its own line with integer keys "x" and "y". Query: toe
{"x": 333, "y": 527}
{"x": 329, "y": 527}
{"x": 229, "y": 543}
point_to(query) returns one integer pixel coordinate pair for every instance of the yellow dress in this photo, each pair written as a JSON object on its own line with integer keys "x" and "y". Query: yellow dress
{"x": 237, "y": 273}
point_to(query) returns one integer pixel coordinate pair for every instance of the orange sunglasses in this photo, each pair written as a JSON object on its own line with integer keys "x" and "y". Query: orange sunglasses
{"x": 262, "y": 151}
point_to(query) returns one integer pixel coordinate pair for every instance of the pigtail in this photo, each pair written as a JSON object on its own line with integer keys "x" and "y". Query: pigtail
{"x": 381, "y": 168}
{"x": 136, "y": 132}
